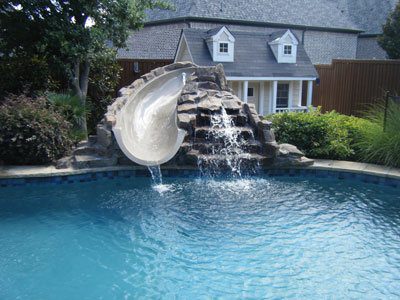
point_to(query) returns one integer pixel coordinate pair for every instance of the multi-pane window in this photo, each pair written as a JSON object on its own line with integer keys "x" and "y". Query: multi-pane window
{"x": 287, "y": 49}
{"x": 223, "y": 47}
{"x": 282, "y": 99}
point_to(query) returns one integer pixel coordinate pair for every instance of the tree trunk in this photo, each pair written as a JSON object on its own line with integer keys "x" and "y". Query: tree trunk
{"x": 80, "y": 84}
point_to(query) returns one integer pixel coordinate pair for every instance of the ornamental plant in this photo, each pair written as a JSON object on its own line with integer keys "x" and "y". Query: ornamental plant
{"x": 378, "y": 143}
{"x": 32, "y": 131}
{"x": 320, "y": 135}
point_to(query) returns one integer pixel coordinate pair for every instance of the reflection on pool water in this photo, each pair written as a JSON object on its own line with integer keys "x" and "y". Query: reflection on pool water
{"x": 199, "y": 238}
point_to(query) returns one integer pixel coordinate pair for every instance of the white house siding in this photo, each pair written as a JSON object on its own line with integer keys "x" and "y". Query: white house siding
{"x": 255, "y": 85}
{"x": 296, "y": 93}
{"x": 267, "y": 93}
{"x": 368, "y": 48}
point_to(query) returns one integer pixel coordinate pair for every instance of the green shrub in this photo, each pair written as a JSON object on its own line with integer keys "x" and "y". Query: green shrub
{"x": 318, "y": 135}
{"x": 377, "y": 145}
{"x": 72, "y": 109}
{"x": 32, "y": 132}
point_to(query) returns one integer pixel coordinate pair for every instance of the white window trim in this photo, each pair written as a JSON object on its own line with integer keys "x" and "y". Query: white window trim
{"x": 291, "y": 49}
{"x": 227, "y": 48}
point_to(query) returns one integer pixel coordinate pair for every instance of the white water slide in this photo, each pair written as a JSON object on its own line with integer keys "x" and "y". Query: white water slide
{"x": 146, "y": 127}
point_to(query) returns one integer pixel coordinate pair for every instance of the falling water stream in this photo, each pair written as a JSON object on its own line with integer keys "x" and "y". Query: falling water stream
{"x": 232, "y": 151}
{"x": 156, "y": 174}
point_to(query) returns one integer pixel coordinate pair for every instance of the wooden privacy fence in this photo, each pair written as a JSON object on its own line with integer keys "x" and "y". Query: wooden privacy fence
{"x": 350, "y": 86}
{"x": 133, "y": 69}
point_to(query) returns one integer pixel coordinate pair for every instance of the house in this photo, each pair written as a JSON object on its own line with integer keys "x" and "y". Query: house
{"x": 324, "y": 29}
{"x": 328, "y": 29}
{"x": 265, "y": 69}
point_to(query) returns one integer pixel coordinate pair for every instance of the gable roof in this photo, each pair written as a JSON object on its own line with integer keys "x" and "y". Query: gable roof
{"x": 214, "y": 31}
{"x": 302, "y": 13}
{"x": 256, "y": 60}
{"x": 370, "y": 15}
{"x": 276, "y": 37}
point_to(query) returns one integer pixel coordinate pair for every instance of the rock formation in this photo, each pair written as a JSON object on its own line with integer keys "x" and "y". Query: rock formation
{"x": 220, "y": 128}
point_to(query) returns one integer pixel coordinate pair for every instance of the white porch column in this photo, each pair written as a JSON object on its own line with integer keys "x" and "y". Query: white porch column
{"x": 309, "y": 92}
{"x": 274, "y": 95}
{"x": 300, "y": 96}
{"x": 290, "y": 100}
{"x": 240, "y": 94}
{"x": 261, "y": 98}
{"x": 245, "y": 90}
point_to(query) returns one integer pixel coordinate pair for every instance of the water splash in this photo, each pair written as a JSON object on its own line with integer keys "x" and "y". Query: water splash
{"x": 156, "y": 176}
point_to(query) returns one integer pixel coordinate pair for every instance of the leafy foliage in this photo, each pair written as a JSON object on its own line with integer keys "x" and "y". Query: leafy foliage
{"x": 103, "y": 80}
{"x": 390, "y": 39}
{"x": 24, "y": 75}
{"x": 32, "y": 132}
{"x": 71, "y": 108}
{"x": 377, "y": 145}
{"x": 319, "y": 135}
{"x": 69, "y": 33}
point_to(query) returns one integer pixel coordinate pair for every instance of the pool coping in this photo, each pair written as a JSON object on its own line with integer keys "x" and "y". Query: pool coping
{"x": 15, "y": 172}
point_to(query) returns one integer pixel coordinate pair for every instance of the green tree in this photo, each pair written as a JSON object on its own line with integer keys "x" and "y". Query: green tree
{"x": 69, "y": 33}
{"x": 390, "y": 39}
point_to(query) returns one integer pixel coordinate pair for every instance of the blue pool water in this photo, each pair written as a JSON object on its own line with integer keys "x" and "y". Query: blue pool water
{"x": 200, "y": 238}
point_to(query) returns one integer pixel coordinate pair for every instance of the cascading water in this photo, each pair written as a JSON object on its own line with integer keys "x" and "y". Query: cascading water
{"x": 227, "y": 147}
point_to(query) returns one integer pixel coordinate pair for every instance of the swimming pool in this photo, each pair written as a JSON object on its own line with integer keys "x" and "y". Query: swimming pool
{"x": 256, "y": 237}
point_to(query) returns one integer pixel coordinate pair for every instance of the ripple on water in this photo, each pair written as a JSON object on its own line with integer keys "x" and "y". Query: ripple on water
{"x": 243, "y": 238}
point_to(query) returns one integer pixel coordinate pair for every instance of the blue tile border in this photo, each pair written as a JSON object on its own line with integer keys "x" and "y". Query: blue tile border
{"x": 192, "y": 173}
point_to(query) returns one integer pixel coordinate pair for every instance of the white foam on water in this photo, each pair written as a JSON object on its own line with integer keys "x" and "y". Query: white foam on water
{"x": 163, "y": 188}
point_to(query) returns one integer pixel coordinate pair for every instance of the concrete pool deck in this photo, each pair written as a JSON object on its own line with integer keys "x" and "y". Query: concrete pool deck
{"x": 10, "y": 172}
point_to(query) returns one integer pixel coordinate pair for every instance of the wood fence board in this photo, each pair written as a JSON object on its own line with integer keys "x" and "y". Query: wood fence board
{"x": 350, "y": 86}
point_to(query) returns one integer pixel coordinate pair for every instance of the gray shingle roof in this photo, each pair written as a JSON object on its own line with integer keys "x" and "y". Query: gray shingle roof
{"x": 321, "y": 13}
{"x": 369, "y": 15}
{"x": 154, "y": 42}
{"x": 253, "y": 56}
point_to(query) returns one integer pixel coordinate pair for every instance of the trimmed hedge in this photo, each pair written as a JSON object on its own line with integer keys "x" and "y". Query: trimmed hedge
{"x": 320, "y": 135}
{"x": 32, "y": 132}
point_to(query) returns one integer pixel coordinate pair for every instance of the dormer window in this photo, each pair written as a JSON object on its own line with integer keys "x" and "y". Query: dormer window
{"x": 284, "y": 46}
{"x": 221, "y": 44}
{"x": 287, "y": 49}
{"x": 223, "y": 47}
